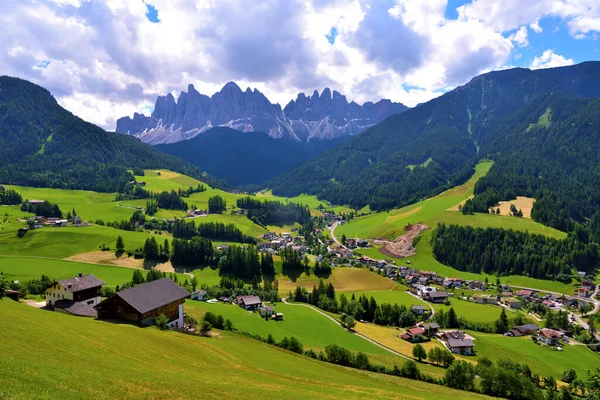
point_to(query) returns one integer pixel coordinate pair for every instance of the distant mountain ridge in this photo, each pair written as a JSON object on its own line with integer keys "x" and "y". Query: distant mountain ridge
{"x": 539, "y": 126}
{"x": 44, "y": 145}
{"x": 323, "y": 117}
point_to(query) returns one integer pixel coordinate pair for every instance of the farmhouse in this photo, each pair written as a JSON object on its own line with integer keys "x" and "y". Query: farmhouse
{"x": 198, "y": 295}
{"x": 549, "y": 336}
{"x": 35, "y": 202}
{"x": 484, "y": 299}
{"x": 522, "y": 330}
{"x": 525, "y": 293}
{"x": 418, "y": 309}
{"x": 512, "y": 302}
{"x": 457, "y": 342}
{"x": 142, "y": 303}
{"x": 413, "y": 334}
{"x": 431, "y": 328}
{"x": 583, "y": 292}
{"x": 436, "y": 297}
{"x": 82, "y": 288}
{"x": 248, "y": 302}
{"x": 75, "y": 296}
{"x": 476, "y": 285}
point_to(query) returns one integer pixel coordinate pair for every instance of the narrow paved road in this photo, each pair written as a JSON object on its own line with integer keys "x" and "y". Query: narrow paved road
{"x": 428, "y": 305}
{"x": 332, "y": 233}
{"x": 352, "y": 332}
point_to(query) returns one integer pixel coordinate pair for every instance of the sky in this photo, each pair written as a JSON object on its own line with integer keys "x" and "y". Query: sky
{"x": 104, "y": 59}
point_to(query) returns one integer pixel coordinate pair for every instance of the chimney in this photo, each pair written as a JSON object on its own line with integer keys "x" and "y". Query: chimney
{"x": 80, "y": 274}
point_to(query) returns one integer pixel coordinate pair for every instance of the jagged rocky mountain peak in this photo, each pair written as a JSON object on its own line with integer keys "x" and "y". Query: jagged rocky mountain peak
{"x": 324, "y": 115}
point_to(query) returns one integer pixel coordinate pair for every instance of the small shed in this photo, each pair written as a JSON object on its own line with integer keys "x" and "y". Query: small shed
{"x": 12, "y": 294}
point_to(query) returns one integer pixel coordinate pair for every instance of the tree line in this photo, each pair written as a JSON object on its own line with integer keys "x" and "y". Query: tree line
{"x": 274, "y": 212}
{"x": 508, "y": 252}
{"x": 10, "y": 197}
{"x": 211, "y": 230}
{"x": 246, "y": 263}
{"x": 45, "y": 209}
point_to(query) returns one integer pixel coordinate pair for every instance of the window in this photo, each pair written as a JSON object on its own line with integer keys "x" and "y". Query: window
{"x": 90, "y": 302}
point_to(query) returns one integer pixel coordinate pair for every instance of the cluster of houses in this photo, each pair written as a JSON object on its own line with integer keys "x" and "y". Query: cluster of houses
{"x": 247, "y": 302}
{"x": 354, "y": 243}
{"x": 457, "y": 342}
{"x": 277, "y": 242}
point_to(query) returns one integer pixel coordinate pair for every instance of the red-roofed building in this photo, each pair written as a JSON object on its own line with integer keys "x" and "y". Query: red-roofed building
{"x": 583, "y": 292}
{"x": 549, "y": 336}
{"x": 413, "y": 334}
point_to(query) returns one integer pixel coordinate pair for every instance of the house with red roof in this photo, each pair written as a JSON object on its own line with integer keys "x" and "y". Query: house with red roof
{"x": 413, "y": 335}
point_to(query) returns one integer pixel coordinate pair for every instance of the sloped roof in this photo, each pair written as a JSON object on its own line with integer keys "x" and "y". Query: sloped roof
{"x": 76, "y": 308}
{"x": 80, "y": 283}
{"x": 460, "y": 343}
{"x": 152, "y": 295}
{"x": 249, "y": 300}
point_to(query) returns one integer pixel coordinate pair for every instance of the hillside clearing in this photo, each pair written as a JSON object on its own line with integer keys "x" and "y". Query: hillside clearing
{"x": 524, "y": 204}
{"x": 343, "y": 279}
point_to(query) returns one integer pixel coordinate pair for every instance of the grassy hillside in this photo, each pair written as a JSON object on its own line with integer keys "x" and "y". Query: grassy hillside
{"x": 542, "y": 360}
{"x": 78, "y": 358}
{"x": 44, "y": 145}
{"x": 309, "y": 327}
{"x": 67, "y": 241}
{"x": 437, "y": 209}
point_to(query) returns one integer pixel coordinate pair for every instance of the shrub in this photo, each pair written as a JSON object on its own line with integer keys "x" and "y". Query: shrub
{"x": 161, "y": 321}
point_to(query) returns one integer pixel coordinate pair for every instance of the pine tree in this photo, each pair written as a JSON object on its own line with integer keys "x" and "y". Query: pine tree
{"x": 120, "y": 244}
{"x": 451, "y": 319}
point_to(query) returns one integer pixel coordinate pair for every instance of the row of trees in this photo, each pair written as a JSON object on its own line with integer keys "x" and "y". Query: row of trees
{"x": 211, "y": 230}
{"x": 45, "y": 209}
{"x": 274, "y": 212}
{"x": 363, "y": 308}
{"x": 508, "y": 252}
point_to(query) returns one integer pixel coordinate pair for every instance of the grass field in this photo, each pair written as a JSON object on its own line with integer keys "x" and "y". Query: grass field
{"x": 312, "y": 329}
{"x": 152, "y": 364}
{"x": 207, "y": 276}
{"x": 305, "y": 324}
{"x": 67, "y": 241}
{"x": 542, "y": 360}
{"x": 397, "y": 295}
{"x": 90, "y": 206}
{"x": 26, "y": 268}
{"x": 343, "y": 279}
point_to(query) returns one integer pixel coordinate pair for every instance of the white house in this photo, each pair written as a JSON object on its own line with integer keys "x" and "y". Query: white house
{"x": 83, "y": 289}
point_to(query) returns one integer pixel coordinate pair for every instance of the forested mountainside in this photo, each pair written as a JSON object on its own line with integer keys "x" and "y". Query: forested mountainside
{"x": 243, "y": 158}
{"x": 42, "y": 144}
{"x": 322, "y": 116}
{"x": 540, "y": 127}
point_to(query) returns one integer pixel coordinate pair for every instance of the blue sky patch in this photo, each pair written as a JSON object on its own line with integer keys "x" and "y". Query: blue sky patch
{"x": 43, "y": 64}
{"x": 332, "y": 35}
{"x": 152, "y": 13}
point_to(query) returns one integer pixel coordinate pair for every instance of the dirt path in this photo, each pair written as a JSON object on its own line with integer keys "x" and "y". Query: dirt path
{"x": 403, "y": 245}
{"x": 352, "y": 332}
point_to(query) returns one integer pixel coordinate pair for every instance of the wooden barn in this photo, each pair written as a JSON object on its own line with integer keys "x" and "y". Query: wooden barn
{"x": 140, "y": 304}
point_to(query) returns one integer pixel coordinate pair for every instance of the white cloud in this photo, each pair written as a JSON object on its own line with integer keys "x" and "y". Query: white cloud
{"x": 535, "y": 26}
{"x": 549, "y": 59}
{"x": 520, "y": 37}
{"x": 582, "y": 16}
{"x": 105, "y": 59}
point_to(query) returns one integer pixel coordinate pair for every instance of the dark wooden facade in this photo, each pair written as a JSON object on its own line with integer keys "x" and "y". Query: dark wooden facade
{"x": 86, "y": 294}
{"x": 117, "y": 308}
